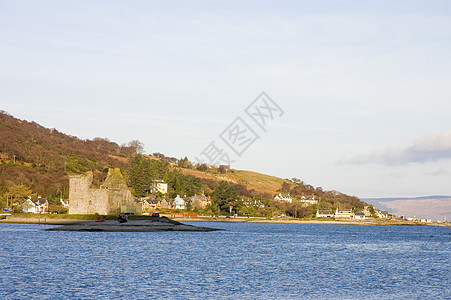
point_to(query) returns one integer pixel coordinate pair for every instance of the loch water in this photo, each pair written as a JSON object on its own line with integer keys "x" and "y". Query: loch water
{"x": 244, "y": 261}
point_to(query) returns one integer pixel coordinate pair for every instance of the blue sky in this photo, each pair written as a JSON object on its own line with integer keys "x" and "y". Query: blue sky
{"x": 365, "y": 86}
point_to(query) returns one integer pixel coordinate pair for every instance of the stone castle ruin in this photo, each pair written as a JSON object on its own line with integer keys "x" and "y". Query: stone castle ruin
{"x": 113, "y": 196}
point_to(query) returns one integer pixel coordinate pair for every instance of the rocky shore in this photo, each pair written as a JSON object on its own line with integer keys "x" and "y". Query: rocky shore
{"x": 159, "y": 224}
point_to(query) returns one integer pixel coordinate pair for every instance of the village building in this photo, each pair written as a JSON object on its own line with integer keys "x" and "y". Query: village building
{"x": 284, "y": 198}
{"x": 155, "y": 204}
{"x": 359, "y": 216}
{"x": 64, "y": 202}
{"x": 382, "y": 214}
{"x": 199, "y": 201}
{"x": 179, "y": 203}
{"x": 308, "y": 200}
{"x": 324, "y": 214}
{"x": 150, "y": 205}
{"x": 367, "y": 210}
{"x": 168, "y": 203}
{"x": 36, "y": 205}
{"x": 344, "y": 214}
{"x": 254, "y": 203}
{"x": 113, "y": 196}
{"x": 159, "y": 186}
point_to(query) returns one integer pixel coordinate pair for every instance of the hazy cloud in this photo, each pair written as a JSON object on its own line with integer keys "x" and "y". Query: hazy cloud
{"x": 428, "y": 148}
{"x": 438, "y": 172}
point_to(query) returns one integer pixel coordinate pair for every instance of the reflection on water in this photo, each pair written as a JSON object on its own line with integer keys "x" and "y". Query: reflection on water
{"x": 245, "y": 261}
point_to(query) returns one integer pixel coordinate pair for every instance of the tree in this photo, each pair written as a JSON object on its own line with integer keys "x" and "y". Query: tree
{"x": 225, "y": 196}
{"x": 180, "y": 184}
{"x": 223, "y": 169}
{"x": 137, "y": 146}
{"x": 17, "y": 194}
{"x": 184, "y": 163}
{"x": 142, "y": 172}
{"x": 285, "y": 187}
{"x": 202, "y": 167}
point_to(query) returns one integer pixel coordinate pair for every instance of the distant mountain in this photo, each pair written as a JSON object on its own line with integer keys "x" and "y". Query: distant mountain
{"x": 431, "y": 207}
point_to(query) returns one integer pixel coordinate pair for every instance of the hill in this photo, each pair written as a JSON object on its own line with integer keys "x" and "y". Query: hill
{"x": 38, "y": 160}
{"x": 41, "y": 158}
{"x": 261, "y": 183}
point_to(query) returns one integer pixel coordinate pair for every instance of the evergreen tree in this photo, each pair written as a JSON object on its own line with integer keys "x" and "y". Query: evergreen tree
{"x": 225, "y": 196}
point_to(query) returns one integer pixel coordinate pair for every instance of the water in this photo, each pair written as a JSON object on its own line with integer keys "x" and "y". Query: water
{"x": 247, "y": 261}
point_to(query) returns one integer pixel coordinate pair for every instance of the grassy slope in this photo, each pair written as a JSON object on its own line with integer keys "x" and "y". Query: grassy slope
{"x": 253, "y": 180}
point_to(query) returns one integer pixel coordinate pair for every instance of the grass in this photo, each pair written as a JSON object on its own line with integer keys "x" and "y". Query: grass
{"x": 260, "y": 182}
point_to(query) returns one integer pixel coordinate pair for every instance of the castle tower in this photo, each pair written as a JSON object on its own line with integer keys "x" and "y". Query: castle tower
{"x": 85, "y": 200}
{"x": 113, "y": 197}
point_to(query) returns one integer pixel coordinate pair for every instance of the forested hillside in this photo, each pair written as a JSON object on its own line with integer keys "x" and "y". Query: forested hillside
{"x": 41, "y": 158}
{"x": 35, "y": 160}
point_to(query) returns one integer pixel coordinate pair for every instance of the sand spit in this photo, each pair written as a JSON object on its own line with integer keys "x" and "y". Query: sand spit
{"x": 161, "y": 224}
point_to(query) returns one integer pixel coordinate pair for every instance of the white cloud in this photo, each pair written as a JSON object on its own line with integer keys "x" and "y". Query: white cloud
{"x": 428, "y": 148}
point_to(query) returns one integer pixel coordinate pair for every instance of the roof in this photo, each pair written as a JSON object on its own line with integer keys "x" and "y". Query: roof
{"x": 359, "y": 214}
{"x": 344, "y": 211}
{"x": 179, "y": 199}
{"x": 325, "y": 212}
{"x": 152, "y": 201}
{"x": 39, "y": 201}
{"x": 199, "y": 197}
{"x": 286, "y": 196}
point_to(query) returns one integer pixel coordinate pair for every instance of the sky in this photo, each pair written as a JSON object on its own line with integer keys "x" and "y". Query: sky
{"x": 357, "y": 94}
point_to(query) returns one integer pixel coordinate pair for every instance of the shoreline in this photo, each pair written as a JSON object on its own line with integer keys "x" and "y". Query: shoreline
{"x": 298, "y": 221}
{"x": 51, "y": 220}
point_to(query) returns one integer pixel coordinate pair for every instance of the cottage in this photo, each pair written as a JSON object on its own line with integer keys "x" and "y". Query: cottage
{"x": 254, "y": 203}
{"x": 359, "y": 216}
{"x": 324, "y": 214}
{"x": 199, "y": 201}
{"x": 284, "y": 198}
{"x": 308, "y": 200}
{"x": 36, "y": 206}
{"x": 382, "y": 214}
{"x": 151, "y": 204}
{"x": 179, "y": 203}
{"x": 344, "y": 214}
{"x": 167, "y": 203}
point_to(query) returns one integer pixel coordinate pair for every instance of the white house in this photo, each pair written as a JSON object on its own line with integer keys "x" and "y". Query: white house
{"x": 160, "y": 186}
{"x": 254, "y": 203}
{"x": 309, "y": 200}
{"x": 324, "y": 214}
{"x": 36, "y": 205}
{"x": 179, "y": 203}
{"x": 382, "y": 214}
{"x": 344, "y": 214}
{"x": 359, "y": 216}
{"x": 64, "y": 202}
{"x": 283, "y": 197}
